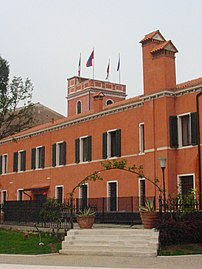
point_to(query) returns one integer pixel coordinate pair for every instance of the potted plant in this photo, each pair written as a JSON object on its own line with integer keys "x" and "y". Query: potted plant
{"x": 85, "y": 218}
{"x": 149, "y": 215}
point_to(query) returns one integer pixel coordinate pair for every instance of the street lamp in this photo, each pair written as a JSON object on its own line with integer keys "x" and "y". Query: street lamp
{"x": 163, "y": 166}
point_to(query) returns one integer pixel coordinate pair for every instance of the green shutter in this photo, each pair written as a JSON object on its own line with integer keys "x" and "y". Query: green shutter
{"x": 24, "y": 160}
{"x": 104, "y": 145}
{"x": 54, "y": 155}
{"x": 173, "y": 132}
{"x": 42, "y": 164}
{"x": 0, "y": 165}
{"x": 33, "y": 163}
{"x": 77, "y": 159}
{"x": 89, "y": 148}
{"x": 63, "y": 148}
{"x": 194, "y": 128}
{"x": 118, "y": 143}
{"x": 15, "y": 161}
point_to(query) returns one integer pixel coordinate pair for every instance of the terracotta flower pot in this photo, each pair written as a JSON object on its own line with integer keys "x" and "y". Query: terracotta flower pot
{"x": 149, "y": 219}
{"x": 85, "y": 222}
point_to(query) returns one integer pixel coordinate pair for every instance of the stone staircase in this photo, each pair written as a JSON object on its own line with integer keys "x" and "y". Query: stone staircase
{"x": 111, "y": 242}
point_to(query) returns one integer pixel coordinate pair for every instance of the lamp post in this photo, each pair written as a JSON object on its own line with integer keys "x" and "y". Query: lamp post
{"x": 163, "y": 166}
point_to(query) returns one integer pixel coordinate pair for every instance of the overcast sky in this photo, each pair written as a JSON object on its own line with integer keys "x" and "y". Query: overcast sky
{"x": 42, "y": 40}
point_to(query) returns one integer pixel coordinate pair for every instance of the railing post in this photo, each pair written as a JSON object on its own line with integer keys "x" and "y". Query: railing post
{"x": 132, "y": 217}
{"x": 103, "y": 208}
{"x": 71, "y": 212}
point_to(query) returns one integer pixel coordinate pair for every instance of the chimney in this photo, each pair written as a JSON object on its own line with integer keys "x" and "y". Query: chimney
{"x": 98, "y": 101}
{"x": 158, "y": 63}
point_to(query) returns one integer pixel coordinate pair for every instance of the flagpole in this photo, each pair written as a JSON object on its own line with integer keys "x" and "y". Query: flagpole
{"x": 119, "y": 71}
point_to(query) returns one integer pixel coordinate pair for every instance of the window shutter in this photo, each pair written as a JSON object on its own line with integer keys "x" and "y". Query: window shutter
{"x": 173, "y": 132}
{"x": 24, "y": 160}
{"x": 63, "y": 148}
{"x": 33, "y": 164}
{"x": 0, "y": 165}
{"x": 77, "y": 159}
{"x": 90, "y": 148}
{"x": 42, "y": 165}
{"x": 194, "y": 128}
{"x": 15, "y": 161}
{"x": 54, "y": 155}
{"x": 118, "y": 143}
{"x": 104, "y": 145}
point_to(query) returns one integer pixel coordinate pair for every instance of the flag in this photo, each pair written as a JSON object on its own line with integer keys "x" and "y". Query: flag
{"x": 90, "y": 60}
{"x": 118, "y": 65}
{"x": 108, "y": 70}
{"x": 79, "y": 66}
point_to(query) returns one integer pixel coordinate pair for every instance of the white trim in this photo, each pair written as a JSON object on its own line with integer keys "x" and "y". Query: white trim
{"x": 184, "y": 175}
{"x": 4, "y": 191}
{"x": 179, "y": 126}
{"x": 56, "y": 193}
{"x": 81, "y": 149}
{"x": 4, "y": 165}
{"x": 109, "y": 143}
{"x": 149, "y": 150}
{"x": 18, "y": 190}
{"x": 108, "y": 182}
{"x": 57, "y": 153}
{"x": 141, "y": 138}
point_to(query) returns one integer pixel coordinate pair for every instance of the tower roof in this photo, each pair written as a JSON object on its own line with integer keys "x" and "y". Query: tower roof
{"x": 166, "y": 45}
{"x": 156, "y": 35}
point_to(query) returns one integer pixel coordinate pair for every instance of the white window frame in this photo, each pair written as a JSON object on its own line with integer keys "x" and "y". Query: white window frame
{"x": 179, "y": 181}
{"x": 3, "y": 191}
{"x": 108, "y": 182}
{"x": 81, "y": 148}
{"x": 18, "y": 194}
{"x": 141, "y": 138}
{"x": 57, "y": 157}
{"x": 139, "y": 192}
{"x": 179, "y": 124}
{"x": 56, "y": 193}
{"x": 20, "y": 160}
{"x": 37, "y": 157}
{"x": 4, "y": 164}
{"x": 109, "y": 143}
{"x": 77, "y": 107}
{"x": 80, "y": 196}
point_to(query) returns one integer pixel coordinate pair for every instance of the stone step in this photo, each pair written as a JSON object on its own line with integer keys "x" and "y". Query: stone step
{"x": 119, "y": 253}
{"x": 109, "y": 241}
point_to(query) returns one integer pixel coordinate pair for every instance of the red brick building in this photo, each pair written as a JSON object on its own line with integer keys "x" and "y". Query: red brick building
{"x": 50, "y": 159}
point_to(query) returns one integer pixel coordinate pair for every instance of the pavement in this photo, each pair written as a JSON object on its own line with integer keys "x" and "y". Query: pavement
{"x": 58, "y": 261}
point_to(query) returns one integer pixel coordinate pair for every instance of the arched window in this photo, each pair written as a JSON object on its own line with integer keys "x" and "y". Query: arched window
{"x": 78, "y": 107}
{"x": 109, "y": 102}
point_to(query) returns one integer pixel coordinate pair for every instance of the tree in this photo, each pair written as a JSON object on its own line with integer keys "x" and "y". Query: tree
{"x": 14, "y": 118}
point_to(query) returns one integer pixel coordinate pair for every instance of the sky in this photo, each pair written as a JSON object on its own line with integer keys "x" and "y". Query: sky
{"x": 42, "y": 40}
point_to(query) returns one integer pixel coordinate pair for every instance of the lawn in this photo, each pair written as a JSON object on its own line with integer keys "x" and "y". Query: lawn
{"x": 185, "y": 249}
{"x": 14, "y": 242}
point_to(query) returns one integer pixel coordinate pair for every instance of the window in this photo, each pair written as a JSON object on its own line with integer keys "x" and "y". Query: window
{"x": 59, "y": 154}
{"x": 112, "y": 196}
{"x": 38, "y": 158}
{"x": 78, "y": 107}
{"x": 3, "y": 196}
{"x": 141, "y": 138}
{"x": 20, "y": 194}
{"x": 83, "y": 149}
{"x": 141, "y": 192}
{"x": 109, "y": 102}
{"x": 183, "y": 130}
{"x": 19, "y": 161}
{"x": 83, "y": 196}
{"x": 59, "y": 194}
{"x": 111, "y": 144}
{"x": 3, "y": 163}
{"x": 186, "y": 184}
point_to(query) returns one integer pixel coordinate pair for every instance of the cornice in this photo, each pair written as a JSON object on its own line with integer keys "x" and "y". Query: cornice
{"x": 103, "y": 113}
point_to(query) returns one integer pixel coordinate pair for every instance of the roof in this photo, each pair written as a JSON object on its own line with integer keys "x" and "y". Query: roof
{"x": 190, "y": 83}
{"x": 166, "y": 45}
{"x": 153, "y": 35}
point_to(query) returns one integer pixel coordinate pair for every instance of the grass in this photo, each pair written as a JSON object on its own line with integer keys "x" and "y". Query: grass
{"x": 185, "y": 249}
{"x": 14, "y": 242}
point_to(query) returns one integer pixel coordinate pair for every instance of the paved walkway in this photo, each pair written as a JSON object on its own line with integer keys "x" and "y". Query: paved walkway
{"x": 78, "y": 262}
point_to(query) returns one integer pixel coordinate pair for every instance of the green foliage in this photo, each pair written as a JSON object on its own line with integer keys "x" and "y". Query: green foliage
{"x": 52, "y": 211}
{"x": 12, "y": 96}
{"x": 13, "y": 242}
{"x": 149, "y": 206}
{"x": 85, "y": 213}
